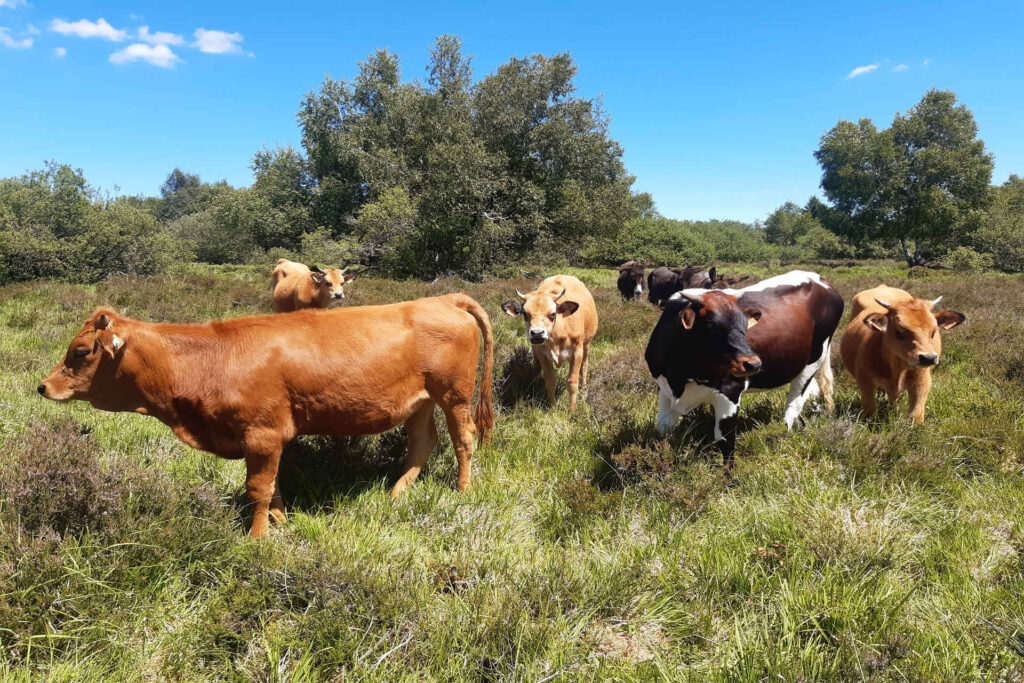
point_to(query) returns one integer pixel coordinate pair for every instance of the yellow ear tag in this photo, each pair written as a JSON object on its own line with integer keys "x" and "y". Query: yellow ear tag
{"x": 751, "y": 322}
{"x": 117, "y": 342}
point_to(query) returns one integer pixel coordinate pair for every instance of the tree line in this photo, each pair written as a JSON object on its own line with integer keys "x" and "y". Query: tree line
{"x": 451, "y": 175}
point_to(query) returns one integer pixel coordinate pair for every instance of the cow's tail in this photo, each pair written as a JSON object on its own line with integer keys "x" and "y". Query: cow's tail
{"x": 484, "y": 417}
{"x": 826, "y": 380}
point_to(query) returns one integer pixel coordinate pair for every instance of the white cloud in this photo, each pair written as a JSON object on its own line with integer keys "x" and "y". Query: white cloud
{"x": 219, "y": 42}
{"x": 160, "y": 37}
{"x": 83, "y": 28}
{"x": 899, "y": 67}
{"x": 32, "y": 30}
{"x": 861, "y": 70}
{"x": 926, "y": 62}
{"x": 60, "y": 51}
{"x": 12, "y": 3}
{"x": 157, "y": 55}
{"x": 7, "y": 40}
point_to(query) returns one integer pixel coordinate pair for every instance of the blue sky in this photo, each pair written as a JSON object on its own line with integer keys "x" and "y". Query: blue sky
{"x": 718, "y": 106}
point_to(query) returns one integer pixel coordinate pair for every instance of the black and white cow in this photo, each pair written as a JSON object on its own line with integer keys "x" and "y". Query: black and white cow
{"x": 710, "y": 346}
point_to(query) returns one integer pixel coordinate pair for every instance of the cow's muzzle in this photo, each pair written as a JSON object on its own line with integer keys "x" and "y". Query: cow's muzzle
{"x": 746, "y": 366}
{"x": 538, "y": 336}
{"x": 927, "y": 360}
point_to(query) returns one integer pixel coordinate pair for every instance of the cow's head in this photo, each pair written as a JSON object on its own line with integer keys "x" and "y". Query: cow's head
{"x": 694, "y": 277}
{"x": 631, "y": 274}
{"x": 715, "y": 323}
{"x": 92, "y": 358}
{"x": 911, "y": 330}
{"x": 541, "y": 312}
{"x": 331, "y": 281}
{"x": 719, "y": 281}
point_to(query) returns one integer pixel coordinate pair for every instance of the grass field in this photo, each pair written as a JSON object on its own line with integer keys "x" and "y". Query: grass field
{"x": 588, "y": 547}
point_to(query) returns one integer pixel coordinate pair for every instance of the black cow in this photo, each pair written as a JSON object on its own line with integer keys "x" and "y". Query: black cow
{"x": 665, "y": 281}
{"x": 631, "y": 279}
{"x": 710, "y": 346}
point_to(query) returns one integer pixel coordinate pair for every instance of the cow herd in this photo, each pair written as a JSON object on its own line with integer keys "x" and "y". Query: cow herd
{"x": 243, "y": 388}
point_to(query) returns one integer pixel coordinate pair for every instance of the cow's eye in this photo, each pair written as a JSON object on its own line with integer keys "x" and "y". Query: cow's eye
{"x": 551, "y": 317}
{"x": 80, "y": 353}
{"x": 899, "y": 333}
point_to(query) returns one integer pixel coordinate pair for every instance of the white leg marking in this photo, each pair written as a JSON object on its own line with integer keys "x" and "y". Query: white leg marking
{"x": 797, "y": 395}
{"x": 666, "y": 411}
{"x": 724, "y": 409}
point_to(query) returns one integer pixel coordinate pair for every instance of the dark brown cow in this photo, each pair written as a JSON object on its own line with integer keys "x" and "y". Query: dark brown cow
{"x": 665, "y": 281}
{"x": 893, "y": 343}
{"x": 243, "y": 388}
{"x": 710, "y": 346}
{"x": 631, "y": 279}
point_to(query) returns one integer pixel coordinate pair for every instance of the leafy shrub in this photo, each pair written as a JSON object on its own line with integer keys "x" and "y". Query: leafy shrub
{"x": 965, "y": 259}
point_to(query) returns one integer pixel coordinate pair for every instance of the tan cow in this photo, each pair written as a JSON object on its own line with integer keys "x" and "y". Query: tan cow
{"x": 297, "y": 286}
{"x": 245, "y": 387}
{"x": 893, "y": 343}
{"x": 561, "y": 320}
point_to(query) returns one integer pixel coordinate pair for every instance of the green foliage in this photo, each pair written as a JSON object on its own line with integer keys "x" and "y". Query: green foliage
{"x": 51, "y": 226}
{"x": 1002, "y": 233}
{"x": 801, "y": 235}
{"x": 923, "y": 180}
{"x": 489, "y": 171}
{"x": 670, "y": 242}
{"x": 965, "y": 259}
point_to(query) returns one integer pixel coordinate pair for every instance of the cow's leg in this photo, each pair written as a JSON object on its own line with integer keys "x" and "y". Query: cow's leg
{"x": 462, "y": 430}
{"x": 262, "y": 457}
{"x": 726, "y": 409}
{"x": 547, "y": 368}
{"x": 919, "y": 386}
{"x": 575, "y": 366}
{"x": 868, "y": 403}
{"x": 586, "y": 364}
{"x": 421, "y": 433}
{"x": 277, "y": 513}
{"x": 801, "y": 388}
{"x": 666, "y": 409}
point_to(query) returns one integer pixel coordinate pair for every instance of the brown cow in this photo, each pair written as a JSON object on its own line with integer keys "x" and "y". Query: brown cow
{"x": 893, "y": 343}
{"x": 561, "y": 319}
{"x": 243, "y": 388}
{"x": 297, "y": 286}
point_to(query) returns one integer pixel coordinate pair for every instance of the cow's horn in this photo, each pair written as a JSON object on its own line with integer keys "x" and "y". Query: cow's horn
{"x": 883, "y": 304}
{"x": 521, "y": 295}
{"x": 693, "y": 295}
{"x": 936, "y": 302}
{"x": 560, "y": 295}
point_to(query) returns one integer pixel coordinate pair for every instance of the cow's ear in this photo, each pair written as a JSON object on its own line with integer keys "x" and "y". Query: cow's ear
{"x": 878, "y": 321}
{"x": 567, "y": 308}
{"x": 687, "y": 317}
{"x": 349, "y": 277}
{"x": 318, "y": 277}
{"x": 109, "y": 341}
{"x": 753, "y": 315}
{"x": 737, "y": 280}
{"x": 713, "y": 273}
{"x": 947, "y": 320}
{"x": 512, "y": 308}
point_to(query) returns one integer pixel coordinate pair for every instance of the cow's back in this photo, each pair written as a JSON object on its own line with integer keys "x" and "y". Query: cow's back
{"x": 861, "y": 348}
{"x": 293, "y": 288}
{"x": 864, "y": 302}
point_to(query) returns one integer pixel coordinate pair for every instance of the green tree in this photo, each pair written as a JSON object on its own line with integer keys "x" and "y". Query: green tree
{"x": 1002, "y": 232}
{"x": 797, "y": 229}
{"x": 184, "y": 193}
{"x": 922, "y": 183}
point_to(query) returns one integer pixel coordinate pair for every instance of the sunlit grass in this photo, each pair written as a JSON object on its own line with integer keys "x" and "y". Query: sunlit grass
{"x": 588, "y": 547}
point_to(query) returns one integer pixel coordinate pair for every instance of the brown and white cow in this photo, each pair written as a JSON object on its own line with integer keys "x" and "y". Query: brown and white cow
{"x": 561, "y": 320}
{"x": 710, "y": 346}
{"x": 243, "y": 388}
{"x": 297, "y": 286}
{"x": 893, "y": 343}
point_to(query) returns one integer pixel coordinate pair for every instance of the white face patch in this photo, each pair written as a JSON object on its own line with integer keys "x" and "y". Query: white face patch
{"x": 638, "y": 290}
{"x": 793, "y": 278}
{"x": 117, "y": 342}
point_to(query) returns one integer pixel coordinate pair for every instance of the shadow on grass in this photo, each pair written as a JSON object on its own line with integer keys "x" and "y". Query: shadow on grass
{"x": 317, "y": 471}
{"x": 521, "y": 381}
